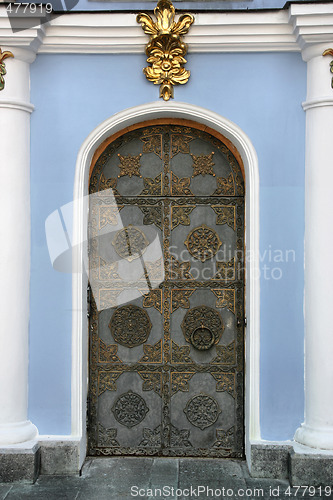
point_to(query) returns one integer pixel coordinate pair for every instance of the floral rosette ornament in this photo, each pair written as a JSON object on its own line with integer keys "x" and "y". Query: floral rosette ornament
{"x": 165, "y": 49}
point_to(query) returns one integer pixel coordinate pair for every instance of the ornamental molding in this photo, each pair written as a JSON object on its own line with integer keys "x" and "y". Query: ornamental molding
{"x": 292, "y": 30}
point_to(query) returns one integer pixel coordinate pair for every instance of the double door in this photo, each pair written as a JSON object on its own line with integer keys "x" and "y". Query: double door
{"x": 166, "y": 332}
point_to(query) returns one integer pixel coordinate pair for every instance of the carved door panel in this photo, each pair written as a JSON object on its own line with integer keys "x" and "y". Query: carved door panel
{"x": 166, "y": 243}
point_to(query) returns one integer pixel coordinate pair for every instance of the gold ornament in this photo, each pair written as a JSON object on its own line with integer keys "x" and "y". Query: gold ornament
{"x": 129, "y": 165}
{"x": 203, "y": 164}
{"x": 329, "y": 52}
{"x": 3, "y": 56}
{"x": 165, "y": 49}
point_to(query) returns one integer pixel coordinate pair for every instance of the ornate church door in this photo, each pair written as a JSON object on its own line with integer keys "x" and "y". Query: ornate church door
{"x": 166, "y": 271}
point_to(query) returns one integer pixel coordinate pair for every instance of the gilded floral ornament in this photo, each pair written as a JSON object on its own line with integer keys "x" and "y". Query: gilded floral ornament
{"x": 3, "y": 55}
{"x": 165, "y": 49}
{"x": 329, "y": 52}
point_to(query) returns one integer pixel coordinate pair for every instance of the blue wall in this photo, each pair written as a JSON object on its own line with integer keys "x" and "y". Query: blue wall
{"x": 261, "y": 93}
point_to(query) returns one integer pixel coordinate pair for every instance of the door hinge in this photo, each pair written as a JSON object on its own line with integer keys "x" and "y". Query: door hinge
{"x": 88, "y": 300}
{"x": 239, "y": 322}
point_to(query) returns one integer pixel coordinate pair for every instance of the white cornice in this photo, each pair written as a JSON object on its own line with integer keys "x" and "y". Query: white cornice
{"x": 28, "y": 39}
{"x": 120, "y": 33}
{"x": 313, "y": 27}
{"x": 278, "y": 31}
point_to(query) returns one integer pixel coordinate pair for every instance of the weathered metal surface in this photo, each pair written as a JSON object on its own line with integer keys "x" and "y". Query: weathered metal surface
{"x": 166, "y": 370}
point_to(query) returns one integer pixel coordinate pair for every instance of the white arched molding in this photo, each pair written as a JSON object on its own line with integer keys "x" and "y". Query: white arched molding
{"x": 245, "y": 148}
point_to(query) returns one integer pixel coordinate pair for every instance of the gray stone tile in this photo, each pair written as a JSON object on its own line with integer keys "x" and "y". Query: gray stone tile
{"x": 44, "y": 492}
{"x": 214, "y": 474}
{"x": 244, "y": 468}
{"x": 212, "y": 469}
{"x": 64, "y": 482}
{"x": 112, "y": 479}
{"x": 266, "y": 481}
{"x": 102, "y": 492}
{"x": 311, "y": 469}
{"x": 266, "y": 487}
{"x": 115, "y": 476}
{"x": 59, "y": 457}
{"x": 164, "y": 473}
{"x": 118, "y": 467}
{"x": 270, "y": 460}
{"x": 47, "y": 488}
{"x": 20, "y": 464}
{"x": 4, "y": 490}
{"x": 164, "y": 470}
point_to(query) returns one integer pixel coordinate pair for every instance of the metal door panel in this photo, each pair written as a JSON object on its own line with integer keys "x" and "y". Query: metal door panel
{"x": 222, "y": 222}
{"x": 128, "y": 430}
{"x": 166, "y": 326}
{"x": 187, "y": 415}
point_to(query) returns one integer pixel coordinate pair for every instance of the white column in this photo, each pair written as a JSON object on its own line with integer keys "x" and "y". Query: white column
{"x": 317, "y": 430}
{"x": 15, "y": 110}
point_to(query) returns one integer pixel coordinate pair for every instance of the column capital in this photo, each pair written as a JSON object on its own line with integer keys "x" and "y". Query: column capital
{"x": 313, "y": 31}
{"x": 313, "y": 27}
{"x": 26, "y": 40}
{"x": 16, "y": 87}
{"x": 22, "y": 37}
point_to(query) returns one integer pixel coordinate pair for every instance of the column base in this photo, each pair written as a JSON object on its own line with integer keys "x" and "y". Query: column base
{"x": 60, "y": 457}
{"x": 270, "y": 459}
{"x": 321, "y": 439}
{"x": 17, "y": 432}
{"x": 310, "y": 467}
{"x": 18, "y": 463}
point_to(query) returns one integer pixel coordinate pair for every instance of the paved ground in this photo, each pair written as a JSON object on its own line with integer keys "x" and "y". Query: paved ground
{"x": 130, "y": 478}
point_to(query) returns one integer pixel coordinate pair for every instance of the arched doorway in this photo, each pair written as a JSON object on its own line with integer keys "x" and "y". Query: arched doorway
{"x": 166, "y": 347}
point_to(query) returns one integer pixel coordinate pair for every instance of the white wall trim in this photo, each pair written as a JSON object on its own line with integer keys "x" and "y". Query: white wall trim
{"x": 244, "y": 146}
{"x": 21, "y": 105}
